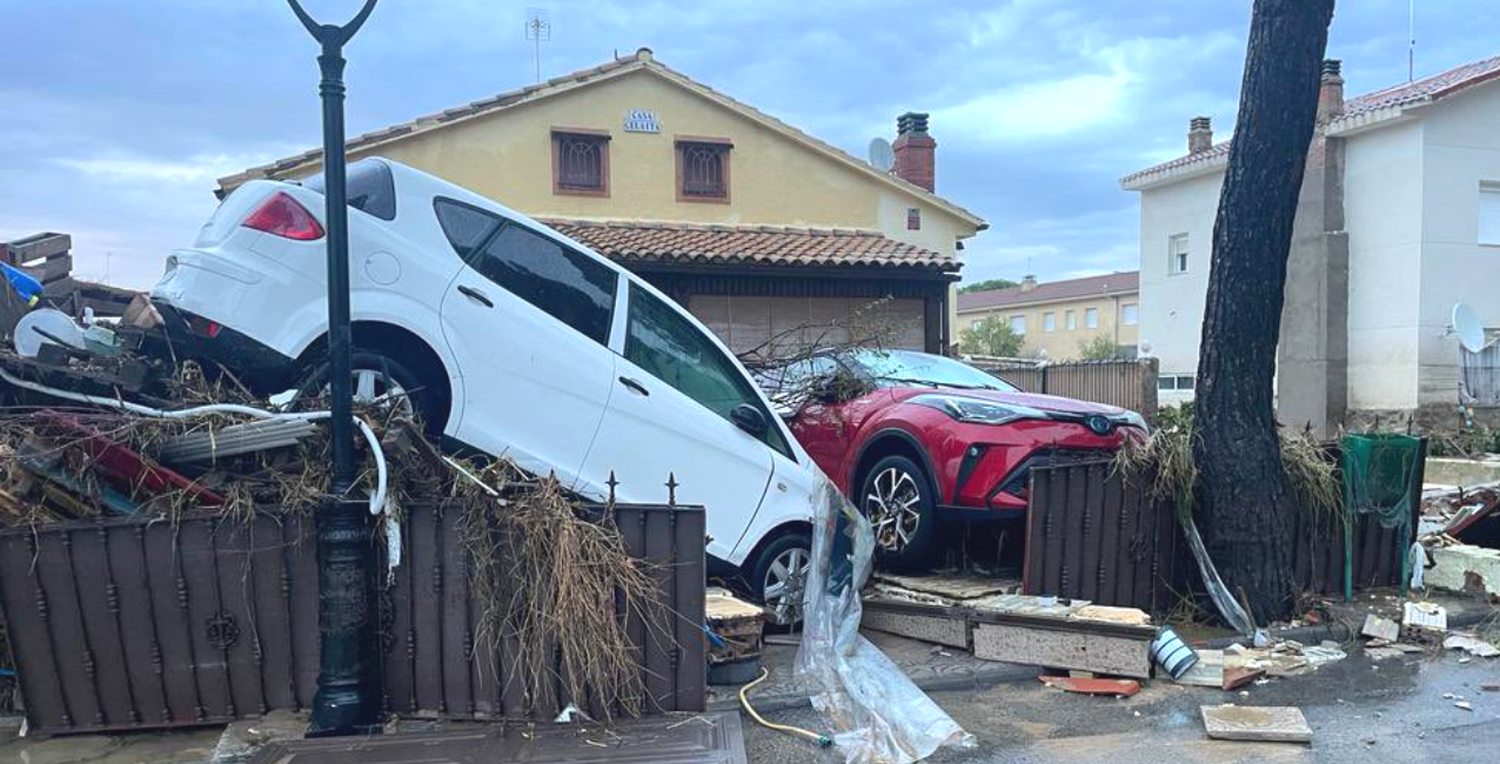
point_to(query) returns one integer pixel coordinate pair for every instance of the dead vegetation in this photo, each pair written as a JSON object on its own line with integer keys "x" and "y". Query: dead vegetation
{"x": 554, "y": 580}
{"x": 1164, "y": 465}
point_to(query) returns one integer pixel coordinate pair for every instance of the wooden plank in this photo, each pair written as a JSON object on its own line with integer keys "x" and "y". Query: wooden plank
{"x": 26, "y": 249}
{"x": 1107, "y": 587}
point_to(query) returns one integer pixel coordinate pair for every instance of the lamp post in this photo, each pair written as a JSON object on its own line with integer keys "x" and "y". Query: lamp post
{"x": 347, "y": 701}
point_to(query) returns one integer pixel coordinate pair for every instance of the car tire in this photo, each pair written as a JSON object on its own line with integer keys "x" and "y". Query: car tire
{"x": 896, "y": 496}
{"x": 785, "y": 562}
{"x": 376, "y": 374}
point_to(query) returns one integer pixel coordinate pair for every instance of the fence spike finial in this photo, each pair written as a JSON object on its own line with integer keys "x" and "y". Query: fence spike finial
{"x": 613, "y": 484}
{"x": 672, "y": 489}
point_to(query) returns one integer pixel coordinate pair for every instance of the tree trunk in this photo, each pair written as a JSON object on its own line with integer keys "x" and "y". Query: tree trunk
{"x": 1242, "y": 497}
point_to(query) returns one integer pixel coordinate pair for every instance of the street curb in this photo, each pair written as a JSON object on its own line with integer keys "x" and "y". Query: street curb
{"x": 1001, "y": 673}
{"x": 1340, "y": 632}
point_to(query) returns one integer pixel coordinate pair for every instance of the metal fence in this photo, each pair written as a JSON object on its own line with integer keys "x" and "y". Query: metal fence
{"x": 1127, "y": 383}
{"x": 1092, "y": 535}
{"x": 134, "y": 623}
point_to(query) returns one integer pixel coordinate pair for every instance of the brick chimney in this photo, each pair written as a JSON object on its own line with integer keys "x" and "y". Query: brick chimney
{"x": 1028, "y": 283}
{"x": 916, "y": 151}
{"x": 1200, "y": 135}
{"x": 1331, "y": 91}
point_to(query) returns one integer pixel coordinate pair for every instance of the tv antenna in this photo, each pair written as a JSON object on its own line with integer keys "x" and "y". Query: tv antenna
{"x": 1411, "y": 41}
{"x": 538, "y": 31}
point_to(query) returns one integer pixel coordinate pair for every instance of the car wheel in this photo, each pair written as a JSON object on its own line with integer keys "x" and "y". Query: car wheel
{"x": 897, "y": 499}
{"x": 377, "y": 378}
{"x": 779, "y": 577}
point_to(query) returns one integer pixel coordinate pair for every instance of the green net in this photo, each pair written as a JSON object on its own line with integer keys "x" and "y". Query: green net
{"x": 1379, "y": 471}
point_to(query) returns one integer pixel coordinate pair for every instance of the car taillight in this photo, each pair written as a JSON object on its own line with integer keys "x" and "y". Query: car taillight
{"x": 282, "y": 216}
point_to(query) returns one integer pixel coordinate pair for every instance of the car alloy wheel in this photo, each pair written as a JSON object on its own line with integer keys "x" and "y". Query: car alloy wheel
{"x": 373, "y": 386}
{"x": 894, "y": 508}
{"x": 785, "y": 581}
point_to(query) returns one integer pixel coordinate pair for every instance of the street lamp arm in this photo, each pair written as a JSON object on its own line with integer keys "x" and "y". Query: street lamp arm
{"x": 331, "y": 35}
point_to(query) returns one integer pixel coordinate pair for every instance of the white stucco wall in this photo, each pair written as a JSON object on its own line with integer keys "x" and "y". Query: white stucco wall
{"x": 1171, "y": 312}
{"x": 1461, "y": 148}
{"x": 1383, "y": 215}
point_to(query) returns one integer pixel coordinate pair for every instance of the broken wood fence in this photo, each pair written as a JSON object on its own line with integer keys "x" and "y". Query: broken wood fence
{"x": 1092, "y": 535}
{"x": 133, "y": 623}
{"x": 1129, "y": 384}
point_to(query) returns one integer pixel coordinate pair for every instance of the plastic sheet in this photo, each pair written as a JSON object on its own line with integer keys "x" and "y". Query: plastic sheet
{"x": 877, "y": 714}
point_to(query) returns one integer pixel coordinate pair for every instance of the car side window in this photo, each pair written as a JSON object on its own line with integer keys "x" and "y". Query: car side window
{"x": 659, "y": 340}
{"x": 570, "y": 286}
{"x": 466, "y": 227}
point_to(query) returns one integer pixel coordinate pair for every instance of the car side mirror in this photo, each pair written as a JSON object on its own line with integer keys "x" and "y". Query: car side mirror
{"x": 749, "y": 418}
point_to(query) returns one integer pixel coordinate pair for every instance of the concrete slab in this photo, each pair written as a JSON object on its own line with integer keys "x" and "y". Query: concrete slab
{"x": 1273, "y": 724}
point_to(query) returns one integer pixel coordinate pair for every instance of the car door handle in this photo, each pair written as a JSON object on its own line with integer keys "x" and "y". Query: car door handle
{"x": 475, "y": 295}
{"x": 634, "y": 385}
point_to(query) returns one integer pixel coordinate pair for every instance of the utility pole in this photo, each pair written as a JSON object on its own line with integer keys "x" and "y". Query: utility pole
{"x": 348, "y": 697}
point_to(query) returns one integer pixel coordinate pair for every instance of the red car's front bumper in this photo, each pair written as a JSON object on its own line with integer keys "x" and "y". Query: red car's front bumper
{"x": 988, "y": 467}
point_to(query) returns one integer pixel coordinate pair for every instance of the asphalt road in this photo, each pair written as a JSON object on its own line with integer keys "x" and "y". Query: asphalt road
{"x": 1360, "y": 711}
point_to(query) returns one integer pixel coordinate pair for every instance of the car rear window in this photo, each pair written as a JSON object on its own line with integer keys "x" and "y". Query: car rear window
{"x": 368, "y": 186}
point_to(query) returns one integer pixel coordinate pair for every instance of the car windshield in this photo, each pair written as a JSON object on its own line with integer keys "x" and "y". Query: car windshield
{"x": 908, "y": 367}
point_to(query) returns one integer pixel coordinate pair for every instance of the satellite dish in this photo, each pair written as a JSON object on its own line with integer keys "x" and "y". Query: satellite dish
{"x": 40, "y": 326}
{"x": 1467, "y": 327}
{"x": 882, "y": 156}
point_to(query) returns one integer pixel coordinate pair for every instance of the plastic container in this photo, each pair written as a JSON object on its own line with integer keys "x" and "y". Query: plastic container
{"x": 1171, "y": 653}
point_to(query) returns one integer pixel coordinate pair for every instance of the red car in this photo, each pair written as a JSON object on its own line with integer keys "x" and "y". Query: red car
{"x": 910, "y": 437}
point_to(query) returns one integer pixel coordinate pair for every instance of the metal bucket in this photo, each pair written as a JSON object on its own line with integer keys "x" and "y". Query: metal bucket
{"x": 1171, "y": 653}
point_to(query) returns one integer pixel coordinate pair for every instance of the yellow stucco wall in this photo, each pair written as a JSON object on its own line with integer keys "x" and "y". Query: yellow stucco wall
{"x": 1062, "y": 343}
{"x": 774, "y": 179}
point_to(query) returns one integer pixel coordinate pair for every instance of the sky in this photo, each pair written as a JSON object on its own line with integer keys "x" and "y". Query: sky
{"x": 117, "y": 117}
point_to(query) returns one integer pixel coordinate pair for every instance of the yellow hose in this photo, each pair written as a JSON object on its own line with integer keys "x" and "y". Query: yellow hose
{"x": 822, "y": 740}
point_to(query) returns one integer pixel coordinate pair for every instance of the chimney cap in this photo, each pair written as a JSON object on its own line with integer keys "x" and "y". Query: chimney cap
{"x": 911, "y": 122}
{"x": 1200, "y": 123}
{"x": 1332, "y": 67}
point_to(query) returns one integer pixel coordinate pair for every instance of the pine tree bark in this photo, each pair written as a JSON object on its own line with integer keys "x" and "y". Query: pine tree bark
{"x": 1243, "y": 503}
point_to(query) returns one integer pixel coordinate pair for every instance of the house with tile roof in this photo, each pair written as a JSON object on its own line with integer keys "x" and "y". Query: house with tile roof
{"x": 1056, "y": 318}
{"x": 763, "y": 231}
{"x": 1398, "y": 220}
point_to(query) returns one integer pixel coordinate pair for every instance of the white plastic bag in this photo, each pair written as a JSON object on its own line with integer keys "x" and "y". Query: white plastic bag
{"x": 876, "y": 712}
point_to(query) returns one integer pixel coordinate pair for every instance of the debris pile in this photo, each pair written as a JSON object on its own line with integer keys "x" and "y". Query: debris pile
{"x": 553, "y": 577}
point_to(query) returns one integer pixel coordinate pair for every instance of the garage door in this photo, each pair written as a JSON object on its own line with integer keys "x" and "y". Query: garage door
{"x": 782, "y": 325}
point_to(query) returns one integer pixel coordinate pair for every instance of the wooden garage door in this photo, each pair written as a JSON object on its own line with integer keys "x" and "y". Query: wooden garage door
{"x": 782, "y": 325}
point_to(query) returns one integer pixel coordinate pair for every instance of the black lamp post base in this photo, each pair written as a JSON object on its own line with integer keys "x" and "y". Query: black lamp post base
{"x": 349, "y": 696}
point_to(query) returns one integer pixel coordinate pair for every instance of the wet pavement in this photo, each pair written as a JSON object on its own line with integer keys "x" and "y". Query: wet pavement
{"x": 1359, "y": 711}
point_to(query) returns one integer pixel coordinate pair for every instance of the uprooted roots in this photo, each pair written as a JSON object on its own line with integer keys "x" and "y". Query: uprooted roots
{"x": 557, "y": 590}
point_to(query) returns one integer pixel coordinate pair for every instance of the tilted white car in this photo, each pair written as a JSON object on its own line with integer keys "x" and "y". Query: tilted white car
{"x": 509, "y": 338}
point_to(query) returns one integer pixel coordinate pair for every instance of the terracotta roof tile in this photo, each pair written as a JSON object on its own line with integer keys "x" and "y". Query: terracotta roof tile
{"x": 1425, "y": 90}
{"x": 646, "y": 242}
{"x": 1125, "y": 282}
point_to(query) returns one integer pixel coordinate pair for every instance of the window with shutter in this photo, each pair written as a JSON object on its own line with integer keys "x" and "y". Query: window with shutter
{"x": 1489, "y": 213}
{"x": 703, "y": 170}
{"x": 580, "y": 163}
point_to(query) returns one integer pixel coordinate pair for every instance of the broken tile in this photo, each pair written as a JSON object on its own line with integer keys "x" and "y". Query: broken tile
{"x": 1381, "y": 628}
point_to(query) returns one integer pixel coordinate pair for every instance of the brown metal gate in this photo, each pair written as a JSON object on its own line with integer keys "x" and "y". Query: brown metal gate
{"x": 1091, "y": 535}
{"x": 136, "y": 623}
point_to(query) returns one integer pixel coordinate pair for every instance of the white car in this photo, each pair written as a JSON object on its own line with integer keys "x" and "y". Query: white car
{"x": 510, "y": 339}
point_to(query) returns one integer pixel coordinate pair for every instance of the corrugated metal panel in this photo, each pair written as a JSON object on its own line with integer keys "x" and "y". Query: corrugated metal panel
{"x": 130, "y": 623}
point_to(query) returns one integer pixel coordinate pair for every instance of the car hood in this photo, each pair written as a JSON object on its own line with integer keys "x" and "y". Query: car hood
{"x": 1031, "y": 400}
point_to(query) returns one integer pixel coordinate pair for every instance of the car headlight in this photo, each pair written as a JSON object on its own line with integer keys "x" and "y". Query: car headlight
{"x": 1135, "y": 420}
{"x": 976, "y": 411}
